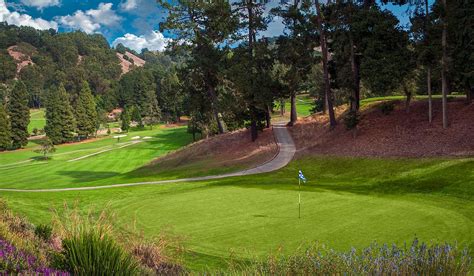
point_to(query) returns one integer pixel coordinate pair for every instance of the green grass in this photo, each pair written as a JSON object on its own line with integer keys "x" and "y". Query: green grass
{"x": 25, "y": 168}
{"x": 304, "y": 104}
{"x": 346, "y": 202}
{"x": 37, "y": 120}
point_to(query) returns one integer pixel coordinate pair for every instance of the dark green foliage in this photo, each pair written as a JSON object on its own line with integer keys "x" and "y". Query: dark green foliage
{"x": 19, "y": 115}
{"x": 34, "y": 80}
{"x": 67, "y": 58}
{"x": 5, "y": 136}
{"x": 318, "y": 105}
{"x": 351, "y": 119}
{"x": 152, "y": 114}
{"x": 44, "y": 232}
{"x": 120, "y": 48}
{"x": 137, "y": 116}
{"x": 60, "y": 123}
{"x": 386, "y": 107}
{"x": 125, "y": 118}
{"x": 7, "y": 66}
{"x": 85, "y": 111}
{"x": 95, "y": 253}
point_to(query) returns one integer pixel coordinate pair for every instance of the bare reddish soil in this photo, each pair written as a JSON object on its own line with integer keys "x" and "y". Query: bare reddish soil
{"x": 398, "y": 134}
{"x": 234, "y": 149}
{"x": 21, "y": 59}
{"x": 127, "y": 65}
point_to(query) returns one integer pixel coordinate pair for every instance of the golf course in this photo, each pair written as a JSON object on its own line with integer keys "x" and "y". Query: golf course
{"x": 346, "y": 202}
{"x": 243, "y": 137}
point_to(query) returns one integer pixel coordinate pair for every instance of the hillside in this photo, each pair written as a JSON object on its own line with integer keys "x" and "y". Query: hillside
{"x": 128, "y": 61}
{"x": 223, "y": 153}
{"x": 21, "y": 58}
{"x": 395, "y": 135}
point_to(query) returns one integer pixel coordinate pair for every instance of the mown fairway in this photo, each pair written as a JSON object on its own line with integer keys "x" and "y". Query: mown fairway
{"x": 347, "y": 202}
{"x": 104, "y": 161}
{"x": 37, "y": 120}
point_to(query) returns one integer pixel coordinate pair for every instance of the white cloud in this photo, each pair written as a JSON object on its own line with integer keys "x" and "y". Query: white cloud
{"x": 41, "y": 4}
{"x": 129, "y": 5}
{"x": 91, "y": 21}
{"x": 21, "y": 19}
{"x": 154, "y": 41}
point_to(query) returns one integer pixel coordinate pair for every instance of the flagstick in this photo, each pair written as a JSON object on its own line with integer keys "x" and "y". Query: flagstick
{"x": 299, "y": 198}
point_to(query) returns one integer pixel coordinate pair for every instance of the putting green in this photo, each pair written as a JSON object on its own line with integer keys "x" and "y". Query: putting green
{"x": 346, "y": 202}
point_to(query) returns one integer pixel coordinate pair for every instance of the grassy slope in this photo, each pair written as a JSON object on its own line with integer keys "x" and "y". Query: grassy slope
{"x": 106, "y": 168}
{"x": 347, "y": 202}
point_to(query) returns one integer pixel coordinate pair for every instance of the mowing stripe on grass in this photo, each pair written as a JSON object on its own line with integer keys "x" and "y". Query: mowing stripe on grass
{"x": 102, "y": 151}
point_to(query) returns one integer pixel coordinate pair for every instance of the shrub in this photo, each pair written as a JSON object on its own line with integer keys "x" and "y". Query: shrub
{"x": 94, "y": 252}
{"x": 387, "y": 107}
{"x": 418, "y": 259}
{"x": 351, "y": 120}
{"x": 15, "y": 261}
{"x": 44, "y": 232}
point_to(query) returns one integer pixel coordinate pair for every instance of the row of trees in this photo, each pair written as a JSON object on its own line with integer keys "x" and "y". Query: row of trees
{"x": 63, "y": 122}
{"x": 342, "y": 50}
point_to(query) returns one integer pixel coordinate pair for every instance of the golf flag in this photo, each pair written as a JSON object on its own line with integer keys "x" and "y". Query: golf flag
{"x": 301, "y": 176}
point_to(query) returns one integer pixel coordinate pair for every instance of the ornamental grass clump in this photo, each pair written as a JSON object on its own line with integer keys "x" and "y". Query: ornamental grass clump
{"x": 417, "y": 259}
{"x": 94, "y": 252}
{"x": 92, "y": 246}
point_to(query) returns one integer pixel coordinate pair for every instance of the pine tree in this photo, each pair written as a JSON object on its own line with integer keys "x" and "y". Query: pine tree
{"x": 137, "y": 116}
{"x": 125, "y": 117}
{"x": 19, "y": 115}
{"x": 153, "y": 114}
{"x": 60, "y": 122}
{"x": 5, "y": 139}
{"x": 86, "y": 114}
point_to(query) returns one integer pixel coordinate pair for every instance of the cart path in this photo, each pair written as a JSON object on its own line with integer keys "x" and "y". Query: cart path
{"x": 286, "y": 151}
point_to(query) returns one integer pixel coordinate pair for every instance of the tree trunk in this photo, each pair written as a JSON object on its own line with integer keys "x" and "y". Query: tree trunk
{"x": 430, "y": 96}
{"x": 408, "y": 99}
{"x": 293, "y": 114}
{"x": 355, "y": 103}
{"x": 282, "y": 107}
{"x": 212, "y": 95}
{"x": 469, "y": 93}
{"x": 444, "y": 80}
{"x": 327, "y": 87}
{"x": 268, "y": 117}
{"x": 251, "y": 38}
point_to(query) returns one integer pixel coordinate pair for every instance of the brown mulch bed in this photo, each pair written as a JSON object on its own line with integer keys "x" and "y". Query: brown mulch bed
{"x": 399, "y": 134}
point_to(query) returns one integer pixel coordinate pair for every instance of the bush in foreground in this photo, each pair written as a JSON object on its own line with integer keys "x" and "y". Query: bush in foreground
{"x": 418, "y": 259}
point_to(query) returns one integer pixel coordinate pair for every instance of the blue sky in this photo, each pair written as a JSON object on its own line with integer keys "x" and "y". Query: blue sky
{"x": 131, "y": 22}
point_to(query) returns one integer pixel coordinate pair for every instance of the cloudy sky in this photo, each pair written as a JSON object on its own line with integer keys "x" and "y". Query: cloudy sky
{"x": 131, "y": 22}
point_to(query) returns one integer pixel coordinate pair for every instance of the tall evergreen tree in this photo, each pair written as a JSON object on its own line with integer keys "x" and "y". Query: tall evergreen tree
{"x": 205, "y": 26}
{"x": 125, "y": 118}
{"x": 60, "y": 123}
{"x": 5, "y": 139}
{"x": 19, "y": 115}
{"x": 86, "y": 113}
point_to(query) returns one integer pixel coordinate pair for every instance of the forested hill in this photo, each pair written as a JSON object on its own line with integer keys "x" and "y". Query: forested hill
{"x": 45, "y": 59}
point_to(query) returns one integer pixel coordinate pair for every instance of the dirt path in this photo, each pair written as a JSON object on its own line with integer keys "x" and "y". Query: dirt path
{"x": 286, "y": 151}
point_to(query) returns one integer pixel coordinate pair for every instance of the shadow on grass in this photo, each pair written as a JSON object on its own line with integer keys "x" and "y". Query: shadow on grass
{"x": 87, "y": 176}
{"x": 456, "y": 179}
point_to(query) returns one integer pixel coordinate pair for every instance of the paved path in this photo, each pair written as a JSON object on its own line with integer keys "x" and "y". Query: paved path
{"x": 286, "y": 151}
